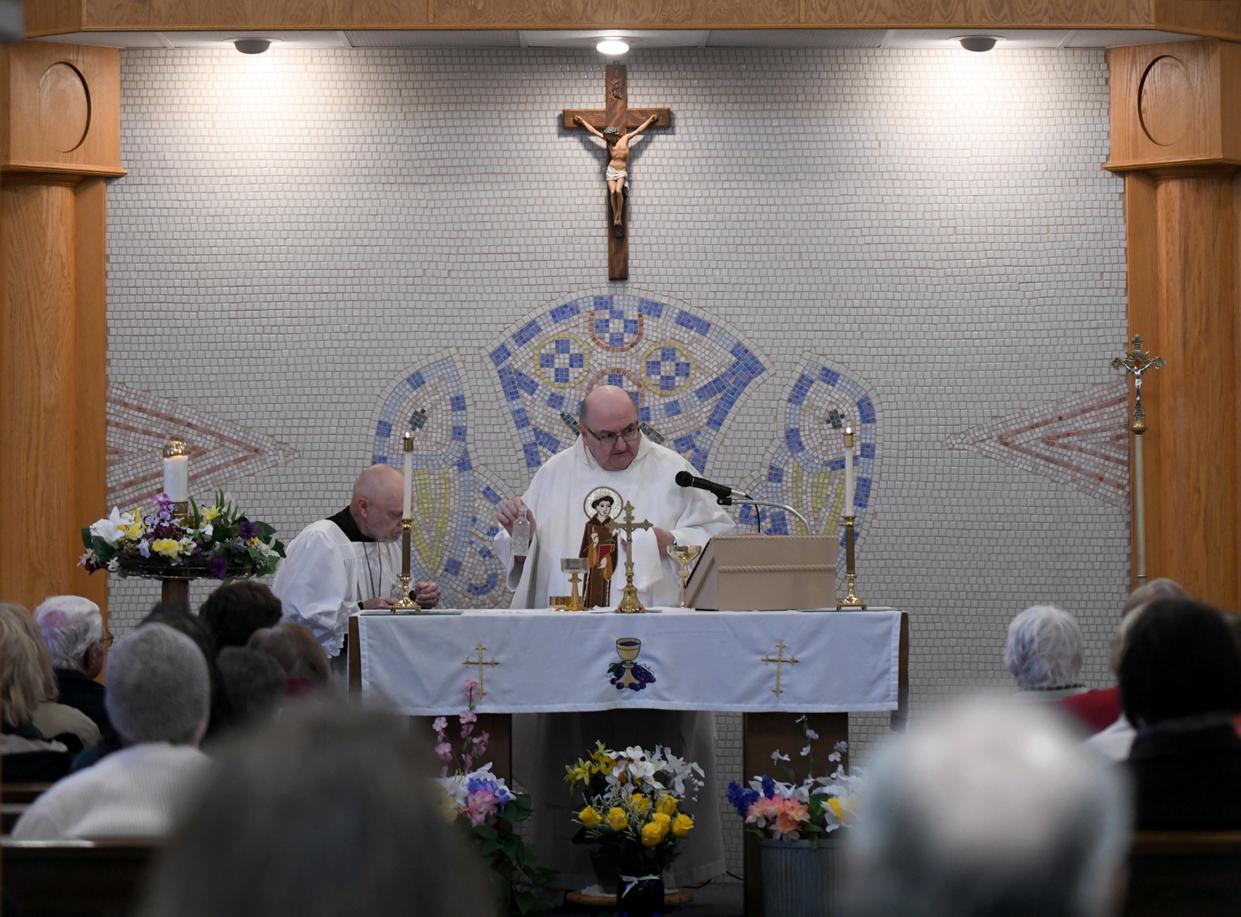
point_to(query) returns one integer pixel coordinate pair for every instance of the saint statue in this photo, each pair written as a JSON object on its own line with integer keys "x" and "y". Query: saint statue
{"x": 599, "y": 548}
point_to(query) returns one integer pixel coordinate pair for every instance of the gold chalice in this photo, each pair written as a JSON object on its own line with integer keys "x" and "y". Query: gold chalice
{"x": 575, "y": 567}
{"x": 685, "y": 555}
{"x": 628, "y": 649}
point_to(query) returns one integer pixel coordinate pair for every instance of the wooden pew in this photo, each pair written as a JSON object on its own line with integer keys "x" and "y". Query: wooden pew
{"x": 75, "y": 878}
{"x": 1184, "y": 872}
{"x": 10, "y": 812}
{"x": 21, "y": 793}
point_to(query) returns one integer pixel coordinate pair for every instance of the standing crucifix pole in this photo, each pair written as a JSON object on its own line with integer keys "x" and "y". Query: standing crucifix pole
{"x": 630, "y": 603}
{"x": 617, "y": 124}
{"x": 1135, "y": 362}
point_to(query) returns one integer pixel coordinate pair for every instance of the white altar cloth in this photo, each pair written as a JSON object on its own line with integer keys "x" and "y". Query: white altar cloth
{"x": 553, "y": 662}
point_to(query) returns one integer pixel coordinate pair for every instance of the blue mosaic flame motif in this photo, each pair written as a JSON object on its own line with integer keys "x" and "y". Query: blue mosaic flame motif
{"x": 454, "y": 502}
{"x": 807, "y": 470}
{"x": 686, "y": 372}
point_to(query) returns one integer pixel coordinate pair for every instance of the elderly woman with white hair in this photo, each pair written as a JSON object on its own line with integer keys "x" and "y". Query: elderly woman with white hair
{"x": 1044, "y": 652}
{"x": 158, "y": 700}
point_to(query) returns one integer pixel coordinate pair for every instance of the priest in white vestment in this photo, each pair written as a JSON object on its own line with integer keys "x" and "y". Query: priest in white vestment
{"x": 610, "y": 452}
{"x": 337, "y": 566}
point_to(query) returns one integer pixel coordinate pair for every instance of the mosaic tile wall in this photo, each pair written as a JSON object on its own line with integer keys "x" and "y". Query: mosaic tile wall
{"x": 313, "y": 249}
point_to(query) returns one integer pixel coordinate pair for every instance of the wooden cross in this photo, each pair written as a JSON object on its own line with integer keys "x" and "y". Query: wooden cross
{"x": 480, "y": 662}
{"x": 622, "y": 119}
{"x": 630, "y": 603}
{"x": 781, "y": 661}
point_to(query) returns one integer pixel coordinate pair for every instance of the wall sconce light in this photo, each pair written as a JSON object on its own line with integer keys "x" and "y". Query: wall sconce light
{"x": 612, "y": 46}
{"x": 252, "y": 45}
{"x": 978, "y": 43}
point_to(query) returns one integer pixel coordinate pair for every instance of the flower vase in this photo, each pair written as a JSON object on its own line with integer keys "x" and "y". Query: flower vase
{"x": 801, "y": 878}
{"x": 640, "y": 896}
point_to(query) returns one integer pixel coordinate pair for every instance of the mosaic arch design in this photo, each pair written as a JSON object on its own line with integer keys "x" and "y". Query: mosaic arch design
{"x": 1081, "y": 441}
{"x": 140, "y": 423}
{"x": 454, "y": 502}
{"x": 807, "y": 470}
{"x": 685, "y": 371}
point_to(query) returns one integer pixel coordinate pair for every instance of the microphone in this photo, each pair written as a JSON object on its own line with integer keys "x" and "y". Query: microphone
{"x": 722, "y": 492}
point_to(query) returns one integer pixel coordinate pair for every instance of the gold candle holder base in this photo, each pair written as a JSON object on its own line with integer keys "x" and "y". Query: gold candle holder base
{"x": 405, "y": 603}
{"x": 630, "y": 604}
{"x": 181, "y": 509}
{"x": 575, "y": 567}
{"x": 851, "y": 599}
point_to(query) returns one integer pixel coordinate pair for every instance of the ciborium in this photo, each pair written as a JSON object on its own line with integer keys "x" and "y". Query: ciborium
{"x": 684, "y": 555}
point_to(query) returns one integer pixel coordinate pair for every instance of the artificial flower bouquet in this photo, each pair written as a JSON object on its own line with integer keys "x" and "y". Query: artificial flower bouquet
{"x": 792, "y": 811}
{"x": 215, "y": 540}
{"x": 634, "y": 805}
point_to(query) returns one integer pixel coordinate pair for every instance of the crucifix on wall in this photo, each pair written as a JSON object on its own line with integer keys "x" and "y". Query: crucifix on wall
{"x": 617, "y": 125}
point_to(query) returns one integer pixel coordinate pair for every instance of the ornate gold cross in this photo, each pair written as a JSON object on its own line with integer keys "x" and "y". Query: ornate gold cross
{"x": 781, "y": 661}
{"x": 630, "y": 603}
{"x": 480, "y": 662}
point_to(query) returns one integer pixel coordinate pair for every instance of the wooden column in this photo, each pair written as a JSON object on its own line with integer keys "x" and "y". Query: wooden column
{"x": 59, "y": 140}
{"x": 1176, "y": 136}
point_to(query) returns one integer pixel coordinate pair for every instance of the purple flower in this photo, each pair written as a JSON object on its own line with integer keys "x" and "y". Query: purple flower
{"x": 247, "y": 529}
{"x": 769, "y": 787}
{"x": 217, "y": 566}
{"x": 741, "y": 797}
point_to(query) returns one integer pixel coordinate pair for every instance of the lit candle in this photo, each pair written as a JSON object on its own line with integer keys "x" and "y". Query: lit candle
{"x": 176, "y": 471}
{"x": 408, "y": 506}
{"x": 849, "y": 482}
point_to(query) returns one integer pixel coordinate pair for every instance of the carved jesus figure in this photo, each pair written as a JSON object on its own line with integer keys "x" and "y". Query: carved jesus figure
{"x": 617, "y": 173}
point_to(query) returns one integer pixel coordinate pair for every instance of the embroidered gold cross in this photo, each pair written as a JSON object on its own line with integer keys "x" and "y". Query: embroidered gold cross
{"x": 781, "y": 661}
{"x": 480, "y": 662}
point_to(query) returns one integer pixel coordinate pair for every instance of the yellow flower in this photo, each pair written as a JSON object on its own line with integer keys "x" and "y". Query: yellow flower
{"x": 652, "y": 834}
{"x": 578, "y": 772}
{"x": 667, "y": 805}
{"x": 210, "y": 513}
{"x": 448, "y": 807}
{"x": 682, "y": 825}
{"x": 842, "y": 810}
{"x": 617, "y": 820}
{"x": 659, "y": 818}
{"x": 590, "y": 817}
{"x": 169, "y": 547}
{"x": 254, "y": 540}
{"x": 639, "y": 804}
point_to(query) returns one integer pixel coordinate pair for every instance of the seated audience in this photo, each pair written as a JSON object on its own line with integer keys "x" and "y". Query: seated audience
{"x": 327, "y": 811}
{"x": 298, "y": 652}
{"x": 1044, "y": 652}
{"x": 26, "y": 756}
{"x": 1100, "y": 709}
{"x": 253, "y": 682}
{"x": 77, "y": 641}
{"x": 236, "y": 610}
{"x": 56, "y": 720}
{"x": 1180, "y": 682}
{"x": 989, "y": 809}
{"x": 158, "y": 702}
{"x": 179, "y": 618}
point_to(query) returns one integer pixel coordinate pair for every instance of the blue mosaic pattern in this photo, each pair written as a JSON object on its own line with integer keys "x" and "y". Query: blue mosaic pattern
{"x": 685, "y": 372}
{"x": 454, "y": 500}
{"x": 807, "y": 469}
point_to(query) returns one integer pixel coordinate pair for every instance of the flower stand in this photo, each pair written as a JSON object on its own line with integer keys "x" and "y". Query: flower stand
{"x": 800, "y": 878}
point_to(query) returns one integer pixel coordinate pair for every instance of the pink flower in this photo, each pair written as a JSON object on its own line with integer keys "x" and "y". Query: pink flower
{"x": 470, "y": 687}
{"x": 443, "y": 751}
{"x": 790, "y": 818}
{"x": 480, "y": 807}
{"x": 469, "y": 717}
{"x": 439, "y": 724}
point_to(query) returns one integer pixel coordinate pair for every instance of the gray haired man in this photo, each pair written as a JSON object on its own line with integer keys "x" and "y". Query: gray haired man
{"x": 78, "y": 642}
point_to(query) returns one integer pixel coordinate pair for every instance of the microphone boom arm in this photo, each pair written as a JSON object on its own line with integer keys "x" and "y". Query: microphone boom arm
{"x": 750, "y": 501}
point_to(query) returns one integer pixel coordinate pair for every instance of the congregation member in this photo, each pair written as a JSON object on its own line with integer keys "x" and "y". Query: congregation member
{"x": 294, "y": 647}
{"x": 77, "y": 641}
{"x": 26, "y": 755}
{"x": 350, "y": 561}
{"x": 158, "y": 701}
{"x": 1043, "y": 653}
{"x": 236, "y": 610}
{"x": 254, "y": 683}
{"x": 328, "y": 811}
{"x": 1100, "y": 710}
{"x": 609, "y": 455}
{"x": 1180, "y": 682}
{"x": 989, "y": 808}
{"x": 53, "y": 719}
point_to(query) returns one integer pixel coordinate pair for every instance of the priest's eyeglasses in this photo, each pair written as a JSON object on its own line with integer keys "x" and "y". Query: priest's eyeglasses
{"x": 629, "y": 434}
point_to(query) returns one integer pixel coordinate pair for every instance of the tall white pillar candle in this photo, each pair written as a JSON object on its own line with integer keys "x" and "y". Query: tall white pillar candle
{"x": 176, "y": 471}
{"x": 407, "y": 510}
{"x": 849, "y": 480}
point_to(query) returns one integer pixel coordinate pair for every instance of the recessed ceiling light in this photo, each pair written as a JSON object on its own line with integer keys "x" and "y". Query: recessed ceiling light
{"x": 612, "y": 46}
{"x": 252, "y": 45}
{"x": 978, "y": 42}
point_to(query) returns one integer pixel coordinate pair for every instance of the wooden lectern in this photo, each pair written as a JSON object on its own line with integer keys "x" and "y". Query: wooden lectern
{"x": 765, "y": 573}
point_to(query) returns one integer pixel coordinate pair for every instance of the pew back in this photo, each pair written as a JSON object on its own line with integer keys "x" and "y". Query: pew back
{"x": 75, "y": 878}
{"x": 1184, "y": 872}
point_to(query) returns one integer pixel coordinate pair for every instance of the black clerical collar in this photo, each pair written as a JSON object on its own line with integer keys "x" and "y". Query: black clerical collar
{"x": 344, "y": 522}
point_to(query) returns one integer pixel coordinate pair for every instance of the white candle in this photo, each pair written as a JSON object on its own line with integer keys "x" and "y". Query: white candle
{"x": 407, "y": 510}
{"x": 177, "y": 478}
{"x": 849, "y": 482}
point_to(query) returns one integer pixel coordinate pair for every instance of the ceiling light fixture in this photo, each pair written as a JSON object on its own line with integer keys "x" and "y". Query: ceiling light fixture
{"x": 252, "y": 45}
{"x": 612, "y": 46}
{"x": 978, "y": 43}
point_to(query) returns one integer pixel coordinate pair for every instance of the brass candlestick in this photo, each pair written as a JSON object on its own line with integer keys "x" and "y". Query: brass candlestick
{"x": 684, "y": 554}
{"x": 405, "y": 603}
{"x": 574, "y": 566}
{"x": 850, "y": 600}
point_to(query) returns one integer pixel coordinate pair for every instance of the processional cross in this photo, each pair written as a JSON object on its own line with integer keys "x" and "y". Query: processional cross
{"x": 617, "y": 124}
{"x": 1135, "y": 362}
{"x": 480, "y": 662}
{"x": 630, "y": 603}
{"x": 781, "y": 661}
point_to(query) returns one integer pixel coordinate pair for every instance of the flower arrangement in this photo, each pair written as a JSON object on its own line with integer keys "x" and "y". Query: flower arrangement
{"x": 215, "y": 540}
{"x": 792, "y": 811}
{"x": 488, "y": 809}
{"x": 633, "y": 804}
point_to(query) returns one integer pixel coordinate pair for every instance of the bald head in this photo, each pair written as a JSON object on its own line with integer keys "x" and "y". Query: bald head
{"x": 376, "y": 503}
{"x": 607, "y": 411}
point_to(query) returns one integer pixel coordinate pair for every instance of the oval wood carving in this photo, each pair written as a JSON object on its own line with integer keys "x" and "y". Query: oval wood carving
{"x": 1164, "y": 101}
{"x": 64, "y": 106}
